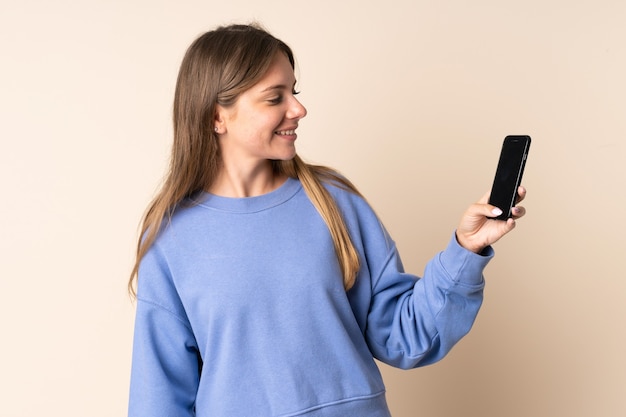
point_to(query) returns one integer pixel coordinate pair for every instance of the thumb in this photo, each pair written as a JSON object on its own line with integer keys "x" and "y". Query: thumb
{"x": 487, "y": 209}
{"x": 493, "y": 211}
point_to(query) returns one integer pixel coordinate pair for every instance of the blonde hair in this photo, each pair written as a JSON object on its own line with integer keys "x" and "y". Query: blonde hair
{"x": 216, "y": 69}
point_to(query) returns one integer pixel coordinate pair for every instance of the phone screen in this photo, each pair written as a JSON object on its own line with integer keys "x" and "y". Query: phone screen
{"x": 509, "y": 174}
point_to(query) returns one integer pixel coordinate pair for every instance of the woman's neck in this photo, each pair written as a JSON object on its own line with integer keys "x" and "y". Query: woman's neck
{"x": 240, "y": 181}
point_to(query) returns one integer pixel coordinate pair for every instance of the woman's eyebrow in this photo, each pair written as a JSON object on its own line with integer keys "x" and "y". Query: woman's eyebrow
{"x": 274, "y": 87}
{"x": 278, "y": 87}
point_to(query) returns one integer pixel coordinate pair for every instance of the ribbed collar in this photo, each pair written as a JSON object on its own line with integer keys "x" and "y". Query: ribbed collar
{"x": 251, "y": 204}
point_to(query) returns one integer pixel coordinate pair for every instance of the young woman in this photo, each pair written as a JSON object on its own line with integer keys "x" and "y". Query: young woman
{"x": 267, "y": 286}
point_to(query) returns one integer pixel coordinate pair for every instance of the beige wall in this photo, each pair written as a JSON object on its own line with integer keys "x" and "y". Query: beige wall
{"x": 410, "y": 99}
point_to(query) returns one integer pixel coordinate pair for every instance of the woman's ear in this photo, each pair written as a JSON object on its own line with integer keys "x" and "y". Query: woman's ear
{"x": 218, "y": 120}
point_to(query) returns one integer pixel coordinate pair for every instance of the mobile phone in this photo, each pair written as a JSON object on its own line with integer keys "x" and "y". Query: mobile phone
{"x": 509, "y": 173}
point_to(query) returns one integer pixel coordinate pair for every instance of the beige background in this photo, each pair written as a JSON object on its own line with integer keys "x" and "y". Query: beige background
{"x": 410, "y": 99}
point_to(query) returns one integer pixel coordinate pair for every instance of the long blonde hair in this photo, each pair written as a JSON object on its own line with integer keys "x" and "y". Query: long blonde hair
{"x": 216, "y": 69}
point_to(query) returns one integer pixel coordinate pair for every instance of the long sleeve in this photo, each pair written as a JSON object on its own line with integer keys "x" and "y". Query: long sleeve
{"x": 165, "y": 362}
{"x": 416, "y": 321}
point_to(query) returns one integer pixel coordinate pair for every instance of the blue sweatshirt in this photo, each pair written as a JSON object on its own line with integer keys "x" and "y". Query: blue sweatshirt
{"x": 241, "y": 311}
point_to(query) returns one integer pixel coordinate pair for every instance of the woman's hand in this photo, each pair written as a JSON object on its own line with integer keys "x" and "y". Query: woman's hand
{"x": 476, "y": 230}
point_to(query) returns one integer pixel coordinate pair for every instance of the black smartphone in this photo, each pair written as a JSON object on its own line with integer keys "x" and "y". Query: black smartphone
{"x": 509, "y": 174}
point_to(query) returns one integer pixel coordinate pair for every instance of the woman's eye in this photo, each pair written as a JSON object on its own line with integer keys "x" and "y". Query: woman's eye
{"x": 276, "y": 100}
{"x": 279, "y": 99}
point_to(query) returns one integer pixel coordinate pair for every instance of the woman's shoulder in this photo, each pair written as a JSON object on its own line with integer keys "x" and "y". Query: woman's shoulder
{"x": 335, "y": 182}
{"x": 362, "y": 220}
{"x": 351, "y": 202}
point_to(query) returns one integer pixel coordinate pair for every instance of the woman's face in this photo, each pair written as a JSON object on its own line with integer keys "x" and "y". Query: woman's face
{"x": 261, "y": 124}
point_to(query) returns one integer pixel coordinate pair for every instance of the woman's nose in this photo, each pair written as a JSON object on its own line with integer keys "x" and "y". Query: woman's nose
{"x": 296, "y": 110}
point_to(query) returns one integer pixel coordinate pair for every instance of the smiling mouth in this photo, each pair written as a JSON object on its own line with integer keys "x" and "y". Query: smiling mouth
{"x": 286, "y": 132}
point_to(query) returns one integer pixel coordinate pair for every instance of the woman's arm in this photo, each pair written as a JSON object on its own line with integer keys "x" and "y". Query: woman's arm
{"x": 166, "y": 363}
